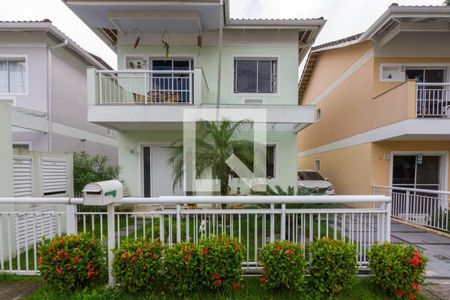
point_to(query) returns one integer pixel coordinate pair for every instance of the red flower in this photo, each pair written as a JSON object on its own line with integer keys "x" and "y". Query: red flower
{"x": 263, "y": 279}
{"x": 59, "y": 271}
{"x": 39, "y": 261}
{"x": 69, "y": 267}
{"x": 235, "y": 285}
{"x": 93, "y": 278}
{"x": 76, "y": 259}
{"x": 412, "y": 296}
{"x": 416, "y": 286}
{"x": 214, "y": 276}
{"x": 399, "y": 292}
{"x": 125, "y": 255}
{"x": 416, "y": 259}
{"x": 277, "y": 249}
{"x": 218, "y": 282}
{"x": 289, "y": 252}
{"x": 204, "y": 251}
{"x": 134, "y": 258}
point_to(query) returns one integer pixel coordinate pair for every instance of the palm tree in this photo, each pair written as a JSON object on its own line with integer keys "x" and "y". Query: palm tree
{"x": 215, "y": 143}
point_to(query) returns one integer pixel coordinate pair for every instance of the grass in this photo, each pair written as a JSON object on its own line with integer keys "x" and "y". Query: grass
{"x": 251, "y": 289}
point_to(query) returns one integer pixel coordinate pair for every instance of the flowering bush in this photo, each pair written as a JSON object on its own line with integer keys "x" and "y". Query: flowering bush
{"x": 220, "y": 261}
{"x": 180, "y": 267}
{"x": 137, "y": 265}
{"x": 398, "y": 269}
{"x": 283, "y": 265}
{"x": 333, "y": 266}
{"x": 71, "y": 262}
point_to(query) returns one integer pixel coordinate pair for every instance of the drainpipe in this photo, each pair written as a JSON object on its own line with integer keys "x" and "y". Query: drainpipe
{"x": 49, "y": 92}
{"x": 219, "y": 67}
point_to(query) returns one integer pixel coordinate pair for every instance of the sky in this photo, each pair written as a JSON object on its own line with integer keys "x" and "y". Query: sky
{"x": 344, "y": 17}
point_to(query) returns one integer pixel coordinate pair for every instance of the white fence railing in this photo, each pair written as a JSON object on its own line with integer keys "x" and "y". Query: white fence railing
{"x": 419, "y": 206}
{"x": 433, "y": 100}
{"x": 253, "y": 220}
{"x": 145, "y": 87}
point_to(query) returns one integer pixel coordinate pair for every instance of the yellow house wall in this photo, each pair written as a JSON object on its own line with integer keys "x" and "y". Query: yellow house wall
{"x": 347, "y": 168}
{"x": 330, "y": 65}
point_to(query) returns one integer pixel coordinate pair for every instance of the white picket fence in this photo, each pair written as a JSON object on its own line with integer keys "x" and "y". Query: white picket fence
{"x": 422, "y": 207}
{"x": 253, "y": 220}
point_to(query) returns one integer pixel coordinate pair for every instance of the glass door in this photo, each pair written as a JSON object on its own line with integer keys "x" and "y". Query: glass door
{"x": 417, "y": 171}
{"x": 171, "y": 87}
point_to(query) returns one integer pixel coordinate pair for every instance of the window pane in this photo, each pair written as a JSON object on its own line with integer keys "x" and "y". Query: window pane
{"x": 404, "y": 170}
{"x": 270, "y": 162}
{"x": 16, "y": 77}
{"x": 417, "y": 75}
{"x": 245, "y": 76}
{"x": 428, "y": 170}
{"x": 4, "y": 77}
{"x": 264, "y": 76}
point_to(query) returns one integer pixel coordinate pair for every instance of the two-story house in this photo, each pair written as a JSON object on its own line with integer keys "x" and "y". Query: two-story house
{"x": 43, "y": 75}
{"x": 382, "y": 102}
{"x": 191, "y": 54}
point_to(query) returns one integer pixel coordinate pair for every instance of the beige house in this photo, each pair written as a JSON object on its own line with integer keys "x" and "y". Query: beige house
{"x": 382, "y": 101}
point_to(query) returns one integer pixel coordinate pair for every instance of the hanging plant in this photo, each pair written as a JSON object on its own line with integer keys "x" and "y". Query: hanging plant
{"x": 165, "y": 43}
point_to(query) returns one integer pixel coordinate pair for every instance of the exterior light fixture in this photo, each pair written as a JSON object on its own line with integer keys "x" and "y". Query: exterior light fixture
{"x": 138, "y": 38}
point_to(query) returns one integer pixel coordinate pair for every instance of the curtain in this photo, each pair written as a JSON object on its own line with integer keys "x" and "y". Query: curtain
{"x": 16, "y": 77}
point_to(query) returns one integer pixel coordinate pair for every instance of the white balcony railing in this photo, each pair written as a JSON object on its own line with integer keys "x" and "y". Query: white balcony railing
{"x": 253, "y": 220}
{"x": 144, "y": 87}
{"x": 423, "y": 207}
{"x": 433, "y": 100}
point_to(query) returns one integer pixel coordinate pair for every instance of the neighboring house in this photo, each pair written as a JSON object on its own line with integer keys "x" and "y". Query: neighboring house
{"x": 382, "y": 103}
{"x": 246, "y": 63}
{"x": 43, "y": 74}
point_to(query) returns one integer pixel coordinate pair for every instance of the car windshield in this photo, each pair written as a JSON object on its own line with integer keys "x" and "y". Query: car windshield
{"x": 309, "y": 176}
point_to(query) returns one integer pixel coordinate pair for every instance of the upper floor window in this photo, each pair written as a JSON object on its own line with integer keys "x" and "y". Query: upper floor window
{"x": 12, "y": 75}
{"x": 255, "y": 75}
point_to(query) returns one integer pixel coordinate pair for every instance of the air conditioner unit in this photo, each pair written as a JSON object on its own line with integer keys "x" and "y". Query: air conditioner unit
{"x": 254, "y": 101}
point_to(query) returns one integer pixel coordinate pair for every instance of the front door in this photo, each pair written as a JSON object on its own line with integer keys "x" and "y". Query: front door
{"x": 157, "y": 174}
{"x": 417, "y": 171}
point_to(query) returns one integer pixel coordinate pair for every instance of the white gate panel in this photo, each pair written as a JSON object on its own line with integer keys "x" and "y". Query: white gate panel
{"x": 23, "y": 176}
{"x": 54, "y": 176}
{"x": 34, "y": 223}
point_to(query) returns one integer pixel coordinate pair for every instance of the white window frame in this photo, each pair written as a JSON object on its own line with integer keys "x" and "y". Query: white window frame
{"x": 430, "y": 66}
{"x": 255, "y": 57}
{"x": 12, "y": 57}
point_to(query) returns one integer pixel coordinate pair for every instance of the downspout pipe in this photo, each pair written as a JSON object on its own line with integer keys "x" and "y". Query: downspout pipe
{"x": 219, "y": 66}
{"x": 49, "y": 92}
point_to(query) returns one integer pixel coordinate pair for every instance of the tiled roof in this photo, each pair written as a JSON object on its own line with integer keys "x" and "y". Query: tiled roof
{"x": 276, "y": 19}
{"x": 337, "y": 42}
{"x": 46, "y": 24}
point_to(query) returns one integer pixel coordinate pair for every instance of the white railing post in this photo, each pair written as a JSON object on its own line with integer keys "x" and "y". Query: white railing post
{"x": 111, "y": 241}
{"x": 161, "y": 226}
{"x": 71, "y": 219}
{"x": 100, "y": 89}
{"x": 272, "y": 222}
{"x": 191, "y": 90}
{"x": 178, "y": 223}
{"x": 407, "y": 205}
{"x": 146, "y": 91}
{"x": 388, "y": 220}
{"x": 283, "y": 222}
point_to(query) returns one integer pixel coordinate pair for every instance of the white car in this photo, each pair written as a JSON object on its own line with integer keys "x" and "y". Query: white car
{"x": 311, "y": 182}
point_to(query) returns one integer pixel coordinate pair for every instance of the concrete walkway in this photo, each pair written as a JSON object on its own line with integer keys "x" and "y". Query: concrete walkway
{"x": 435, "y": 247}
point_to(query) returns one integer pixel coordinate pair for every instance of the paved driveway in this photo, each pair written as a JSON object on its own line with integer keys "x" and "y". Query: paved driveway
{"x": 434, "y": 246}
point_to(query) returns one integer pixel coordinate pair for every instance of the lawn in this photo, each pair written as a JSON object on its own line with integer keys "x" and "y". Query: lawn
{"x": 251, "y": 289}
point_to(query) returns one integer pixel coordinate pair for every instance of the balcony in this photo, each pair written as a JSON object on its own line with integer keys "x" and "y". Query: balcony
{"x": 144, "y": 87}
{"x": 433, "y": 100}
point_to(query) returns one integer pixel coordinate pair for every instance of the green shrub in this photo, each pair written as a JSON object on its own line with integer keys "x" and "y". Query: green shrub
{"x": 220, "y": 261}
{"x": 137, "y": 265}
{"x": 333, "y": 266}
{"x": 283, "y": 266}
{"x": 398, "y": 269}
{"x": 181, "y": 268}
{"x": 71, "y": 262}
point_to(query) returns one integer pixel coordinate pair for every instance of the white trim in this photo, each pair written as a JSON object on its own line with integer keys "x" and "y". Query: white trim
{"x": 152, "y": 56}
{"x": 412, "y": 127}
{"x": 27, "y": 73}
{"x": 344, "y": 76}
{"x": 443, "y": 176}
{"x": 11, "y": 99}
{"x": 256, "y": 57}
{"x": 77, "y": 133}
